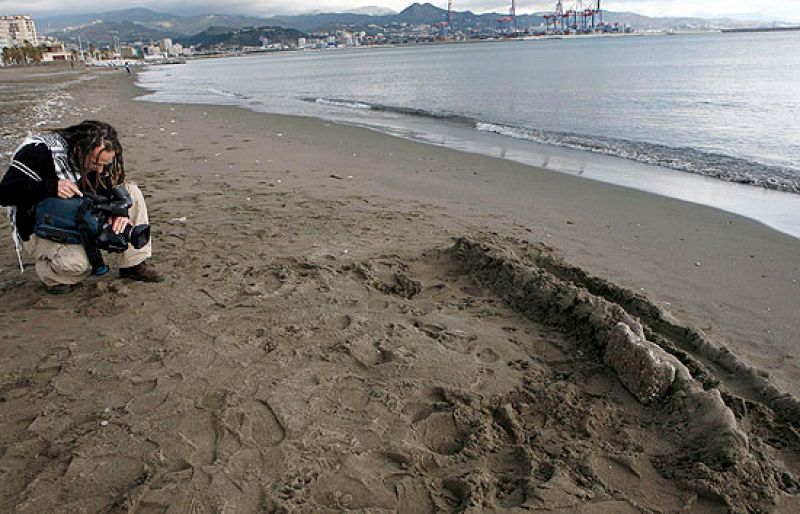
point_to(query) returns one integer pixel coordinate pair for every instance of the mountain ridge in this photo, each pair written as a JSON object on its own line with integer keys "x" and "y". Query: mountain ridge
{"x": 146, "y": 21}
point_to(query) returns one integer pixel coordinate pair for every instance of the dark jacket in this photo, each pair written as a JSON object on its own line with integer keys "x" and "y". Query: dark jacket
{"x": 33, "y": 175}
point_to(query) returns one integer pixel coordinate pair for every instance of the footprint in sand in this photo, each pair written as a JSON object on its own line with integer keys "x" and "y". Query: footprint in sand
{"x": 487, "y": 355}
{"x": 413, "y": 497}
{"x": 264, "y": 426}
{"x": 439, "y": 433}
{"x": 367, "y": 351}
{"x": 454, "y": 492}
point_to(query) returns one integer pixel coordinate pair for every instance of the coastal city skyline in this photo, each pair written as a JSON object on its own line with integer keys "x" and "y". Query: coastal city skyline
{"x": 786, "y": 10}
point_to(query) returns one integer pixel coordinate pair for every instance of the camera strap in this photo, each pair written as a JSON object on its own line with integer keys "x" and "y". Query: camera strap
{"x": 89, "y": 241}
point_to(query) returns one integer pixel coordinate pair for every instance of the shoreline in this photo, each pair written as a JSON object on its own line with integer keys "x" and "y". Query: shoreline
{"x": 316, "y": 344}
{"x": 667, "y": 170}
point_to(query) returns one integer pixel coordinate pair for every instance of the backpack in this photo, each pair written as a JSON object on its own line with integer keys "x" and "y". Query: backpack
{"x": 59, "y": 220}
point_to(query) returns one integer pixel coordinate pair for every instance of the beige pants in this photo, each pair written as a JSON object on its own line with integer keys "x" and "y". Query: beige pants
{"x": 67, "y": 264}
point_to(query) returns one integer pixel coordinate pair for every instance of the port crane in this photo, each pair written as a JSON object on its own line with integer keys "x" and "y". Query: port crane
{"x": 511, "y": 19}
{"x": 577, "y": 18}
{"x": 449, "y": 13}
{"x": 446, "y": 26}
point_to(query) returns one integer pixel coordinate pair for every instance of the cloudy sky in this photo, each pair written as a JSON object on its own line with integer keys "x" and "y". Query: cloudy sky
{"x": 761, "y": 9}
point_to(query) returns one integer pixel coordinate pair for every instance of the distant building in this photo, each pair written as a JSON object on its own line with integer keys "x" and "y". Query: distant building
{"x": 54, "y": 51}
{"x": 152, "y": 51}
{"x": 18, "y": 29}
{"x": 165, "y": 45}
{"x": 129, "y": 52}
{"x": 176, "y": 49}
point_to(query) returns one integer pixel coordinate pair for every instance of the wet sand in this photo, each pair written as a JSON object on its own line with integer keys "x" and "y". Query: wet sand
{"x": 353, "y": 321}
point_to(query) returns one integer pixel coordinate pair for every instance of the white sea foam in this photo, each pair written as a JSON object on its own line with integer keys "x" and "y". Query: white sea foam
{"x": 343, "y": 103}
{"x": 724, "y": 167}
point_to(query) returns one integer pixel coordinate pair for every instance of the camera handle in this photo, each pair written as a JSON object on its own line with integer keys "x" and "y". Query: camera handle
{"x": 88, "y": 240}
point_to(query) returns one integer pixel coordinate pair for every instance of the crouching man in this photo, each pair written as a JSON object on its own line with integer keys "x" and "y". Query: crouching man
{"x": 81, "y": 160}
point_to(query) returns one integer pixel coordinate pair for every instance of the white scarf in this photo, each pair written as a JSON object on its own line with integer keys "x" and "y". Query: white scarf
{"x": 63, "y": 167}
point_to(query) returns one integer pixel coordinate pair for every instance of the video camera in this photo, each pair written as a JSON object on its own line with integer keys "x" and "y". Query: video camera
{"x": 86, "y": 221}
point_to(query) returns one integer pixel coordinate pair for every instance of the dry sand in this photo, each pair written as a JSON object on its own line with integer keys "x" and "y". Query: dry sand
{"x": 324, "y": 341}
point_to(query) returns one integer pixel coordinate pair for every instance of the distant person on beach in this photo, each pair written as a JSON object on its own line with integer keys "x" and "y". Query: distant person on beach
{"x": 66, "y": 163}
{"x": 128, "y": 68}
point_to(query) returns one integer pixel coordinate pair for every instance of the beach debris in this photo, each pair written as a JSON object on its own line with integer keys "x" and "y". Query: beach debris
{"x": 181, "y": 219}
{"x": 643, "y": 368}
{"x": 337, "y": 177}
{"x": 697, "y": 263}
{"x": 104, "y": 423}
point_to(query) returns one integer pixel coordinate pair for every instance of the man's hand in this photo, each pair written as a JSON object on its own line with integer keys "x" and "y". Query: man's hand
{"x": 68, "y": 189}
{"x": 119, "y": 224}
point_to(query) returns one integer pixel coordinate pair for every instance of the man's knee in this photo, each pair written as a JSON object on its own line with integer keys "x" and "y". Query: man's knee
{"x": 66, "y": 265}
{"x": 70, "y": 260}
{"x": 138, "y": 211}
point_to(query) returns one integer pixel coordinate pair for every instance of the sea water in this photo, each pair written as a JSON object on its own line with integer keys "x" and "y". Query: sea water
{"x": 712, "y": 118}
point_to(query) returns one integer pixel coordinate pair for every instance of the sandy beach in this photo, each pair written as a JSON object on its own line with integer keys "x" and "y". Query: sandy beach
{"x": 353, "y": 321}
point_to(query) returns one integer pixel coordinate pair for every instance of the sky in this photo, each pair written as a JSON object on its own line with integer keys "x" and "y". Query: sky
{"x": 787, "y": 10}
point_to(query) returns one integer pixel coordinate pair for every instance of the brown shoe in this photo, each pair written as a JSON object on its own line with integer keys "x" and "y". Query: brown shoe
{"x": 144, "y": 271}
{"x": 61, "y": 288}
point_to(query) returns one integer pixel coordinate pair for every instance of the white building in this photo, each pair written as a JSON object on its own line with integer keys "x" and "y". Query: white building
{"x": 18, "y": 29}
{"x": 165, "y": 45}
{"x": 175, "y": 50}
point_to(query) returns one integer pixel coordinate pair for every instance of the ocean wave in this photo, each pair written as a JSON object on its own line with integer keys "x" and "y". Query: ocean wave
{"x": 226, "y": 93}
{"x": 407, "y": 111}
{"x": 690, "y": 160}
{"x": 342, "y": 103}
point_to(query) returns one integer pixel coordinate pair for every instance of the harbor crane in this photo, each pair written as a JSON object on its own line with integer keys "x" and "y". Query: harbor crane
{"x": 577, "y": 18}
{"x": 446, "y": 26}
{"x": 450, "y": 13}
{"x": 511, "y": 19}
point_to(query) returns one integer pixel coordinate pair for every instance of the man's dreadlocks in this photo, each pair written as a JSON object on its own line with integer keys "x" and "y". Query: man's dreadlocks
{"x": 82, "y": 139}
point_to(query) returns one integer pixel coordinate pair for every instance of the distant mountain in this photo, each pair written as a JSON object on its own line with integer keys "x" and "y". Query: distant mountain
{"x": 673, "y": 23}
{"x": 103, "y": 33}
{"x": 415, "y": 14}
{"x": 144, "y": 24}
{"x": 250, "y": 36}
{"x": 176, "y": 25}
{"x": 373, "y": 10}
{"x": 74, "y": 21}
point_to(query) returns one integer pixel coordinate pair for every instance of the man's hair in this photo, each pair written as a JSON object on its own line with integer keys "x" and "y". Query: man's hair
{"x": 82, "y": 139}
